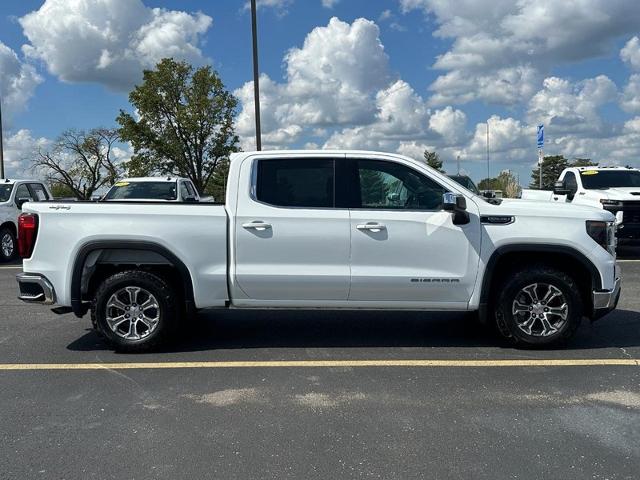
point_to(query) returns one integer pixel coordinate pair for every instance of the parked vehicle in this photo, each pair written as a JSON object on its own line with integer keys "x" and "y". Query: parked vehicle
{"x": 466, "y": 182}
{"x": 13, "y": 194}
{"x": 167, "y": 189}
{"x": 615, "y": 189}
{"x": 328, "y": 230}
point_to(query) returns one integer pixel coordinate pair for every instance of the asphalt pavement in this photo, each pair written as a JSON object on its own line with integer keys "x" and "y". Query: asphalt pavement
{"x": 244, "y": 395}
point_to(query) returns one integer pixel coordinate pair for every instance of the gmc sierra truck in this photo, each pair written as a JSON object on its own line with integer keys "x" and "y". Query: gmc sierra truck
{"x": 322, "y": 230}
{"x": 615, "y": 189}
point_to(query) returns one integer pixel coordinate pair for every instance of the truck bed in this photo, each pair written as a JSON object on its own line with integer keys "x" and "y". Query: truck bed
{"x": 195, "y": 233}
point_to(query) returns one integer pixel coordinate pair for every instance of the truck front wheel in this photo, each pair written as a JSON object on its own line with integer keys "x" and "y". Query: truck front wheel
{"x": 540, "y": 306}
{"x": 134, "y": 310}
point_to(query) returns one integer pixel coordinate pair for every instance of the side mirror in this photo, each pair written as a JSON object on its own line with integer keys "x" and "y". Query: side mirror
{"x": 190, "y": 200}
{"x": 21, "y": 201}
{"x": 456, "y": 204}
{"x": 488, "y": 194}
{"x": 560, "y": 189}
{"x": 95, "y": 198}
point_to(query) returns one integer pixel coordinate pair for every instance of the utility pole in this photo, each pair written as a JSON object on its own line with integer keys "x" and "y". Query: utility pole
{"x": 1, "y": 147}
{"x": 256, "y": 74}
{"x": 458, "y": 160}
{"x": 488, "y": 170}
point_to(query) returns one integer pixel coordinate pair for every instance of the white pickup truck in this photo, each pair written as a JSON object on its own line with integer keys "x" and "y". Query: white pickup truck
{"x": 167, "y": 189}
{"x": 615, "y": 189}
{"x": 328, "y": 230}
{"x": 13, "y": 194}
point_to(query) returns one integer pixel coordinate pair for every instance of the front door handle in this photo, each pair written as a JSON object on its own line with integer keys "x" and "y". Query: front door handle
{"x": 371, "y": 227}
{"x": 260, "y": 226}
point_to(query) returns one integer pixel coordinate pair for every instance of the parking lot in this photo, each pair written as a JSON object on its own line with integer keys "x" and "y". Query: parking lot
{"x": 319, "y": 395}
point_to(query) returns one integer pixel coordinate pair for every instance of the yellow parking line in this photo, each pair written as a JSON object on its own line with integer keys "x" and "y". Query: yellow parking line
{"x": 11, "y": 267}
{"x": 324, "y": 363}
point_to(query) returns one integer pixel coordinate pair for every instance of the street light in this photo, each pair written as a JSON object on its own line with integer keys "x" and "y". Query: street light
{"x": 1, "y": 149}
{"x": 256, "y": 86}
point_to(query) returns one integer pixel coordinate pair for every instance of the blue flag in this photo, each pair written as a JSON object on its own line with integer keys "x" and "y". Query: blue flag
{"x": 540, "y": 136}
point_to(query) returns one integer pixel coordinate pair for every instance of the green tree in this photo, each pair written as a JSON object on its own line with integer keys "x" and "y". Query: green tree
{"x": 583, "y": 162}
{"x": 374, "y": 189}
{"x": 185, "y": 123}
{"x": 433, "y": 160}
{"x": 506, "y": 182}
{"x": 552, "y": 167}
{"x": 79, "y": 163}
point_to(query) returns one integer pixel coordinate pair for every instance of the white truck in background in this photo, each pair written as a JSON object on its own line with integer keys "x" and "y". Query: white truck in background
{"x": 13, "y": 194}
{"x": 614, "y": 189}
{"x": 140, "y": 189}
{"x": 322, "y": 230}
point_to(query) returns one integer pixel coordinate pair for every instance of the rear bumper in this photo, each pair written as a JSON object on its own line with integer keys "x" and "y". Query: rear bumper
{"x": 604, "y": 301}
{"x": 35, "y": 288}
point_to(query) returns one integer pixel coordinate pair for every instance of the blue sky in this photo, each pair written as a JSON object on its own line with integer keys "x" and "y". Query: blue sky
{"x": 396, "y": 75}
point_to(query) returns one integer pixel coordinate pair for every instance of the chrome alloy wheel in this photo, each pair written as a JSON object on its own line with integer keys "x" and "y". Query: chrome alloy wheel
{"x": 540, "y": 309}
{"x": 7, "y": 246}
{"x": 132, "y": 313}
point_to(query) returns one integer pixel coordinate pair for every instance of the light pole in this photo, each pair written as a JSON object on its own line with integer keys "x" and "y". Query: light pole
{"x": 1, "y": 147}
{"x": 488, "y": 174}
{"x": 256, "y": 86}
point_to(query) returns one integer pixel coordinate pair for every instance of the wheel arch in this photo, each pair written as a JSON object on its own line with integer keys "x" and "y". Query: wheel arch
{"x": 565, "y": 257}
{"x": 11, "y": 226}
{"x": 115, "y": 253}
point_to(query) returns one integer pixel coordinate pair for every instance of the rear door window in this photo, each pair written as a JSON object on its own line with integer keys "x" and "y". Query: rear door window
{"x": 303, "y": 183}
{"x": 38, "y": 192}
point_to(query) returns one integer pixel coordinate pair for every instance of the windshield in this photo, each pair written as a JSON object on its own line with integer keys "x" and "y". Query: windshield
{"x": 142, "y": 191}
{"x": 603, "y": 179}
{"x": 5, "y": 192}
{"x": 466, "y": 182}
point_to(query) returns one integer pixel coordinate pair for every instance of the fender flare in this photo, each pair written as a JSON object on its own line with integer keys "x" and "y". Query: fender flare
{"x": 487, "y": 279}
{"x": 121, "y": 251}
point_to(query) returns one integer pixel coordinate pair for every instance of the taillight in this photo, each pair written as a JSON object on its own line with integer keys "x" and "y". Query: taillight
{"x": 27, "y": 231}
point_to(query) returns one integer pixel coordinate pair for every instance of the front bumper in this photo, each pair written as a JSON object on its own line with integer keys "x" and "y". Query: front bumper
{"x": 605, "y": 301}
{"x": 35, "y": 288}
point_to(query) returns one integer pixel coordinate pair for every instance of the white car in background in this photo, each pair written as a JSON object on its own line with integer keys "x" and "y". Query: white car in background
{"x": 13, "y": 194}
{"x": 159, "y": 189}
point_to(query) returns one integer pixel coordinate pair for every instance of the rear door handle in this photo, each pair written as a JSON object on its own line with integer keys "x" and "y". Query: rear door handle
{"x": 371, "y": 227}
{"x": 260, "y": 226}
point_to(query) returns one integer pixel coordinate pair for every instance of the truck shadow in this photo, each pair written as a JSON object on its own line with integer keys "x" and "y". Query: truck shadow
{"x": 347, "y": 329}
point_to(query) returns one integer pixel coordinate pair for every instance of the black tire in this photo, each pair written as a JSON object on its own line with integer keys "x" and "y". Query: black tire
{"x": 166, "y": 312}
{"x": 510, "y": 325}
{"x": 6, "y": 234}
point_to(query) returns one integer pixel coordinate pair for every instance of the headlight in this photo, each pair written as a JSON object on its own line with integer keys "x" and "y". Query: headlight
{"x": 604, "y": 234}
{"x": 610, "y": 203}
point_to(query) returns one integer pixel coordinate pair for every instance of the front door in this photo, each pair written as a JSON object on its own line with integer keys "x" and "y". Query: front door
{"x": 404, "y": 247}
{"x": 292, "y": 243}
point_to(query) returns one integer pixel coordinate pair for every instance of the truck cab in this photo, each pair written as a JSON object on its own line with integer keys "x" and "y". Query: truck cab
{"x": 615, "y": 189}
{"x": 13, "y": 194}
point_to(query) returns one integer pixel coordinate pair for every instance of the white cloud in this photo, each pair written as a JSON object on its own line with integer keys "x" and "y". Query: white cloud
{"x": 501, "y": 48}
{"x": 630, "y": 99}
{"x": 331, "y": 80}
{"x": 110, "y": 41}
{"x": 19, "y": 152}
{"x": 329, "y": 3}
{"x": 631, "y": 53}
{"x": 18, "y": 81}
{"x": 509, "y": 139}
{"x": 572, "y": 108}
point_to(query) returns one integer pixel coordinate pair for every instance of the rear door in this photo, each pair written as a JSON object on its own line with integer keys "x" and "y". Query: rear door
{"x": 292, "y": 243}
{"x": 404, "y": 246}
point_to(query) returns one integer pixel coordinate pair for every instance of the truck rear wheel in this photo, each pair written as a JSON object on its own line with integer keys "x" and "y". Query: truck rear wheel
{"x": 134, "y": 310}
{"x": 541, "y": 306}
{"x": 8, "y": 245}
